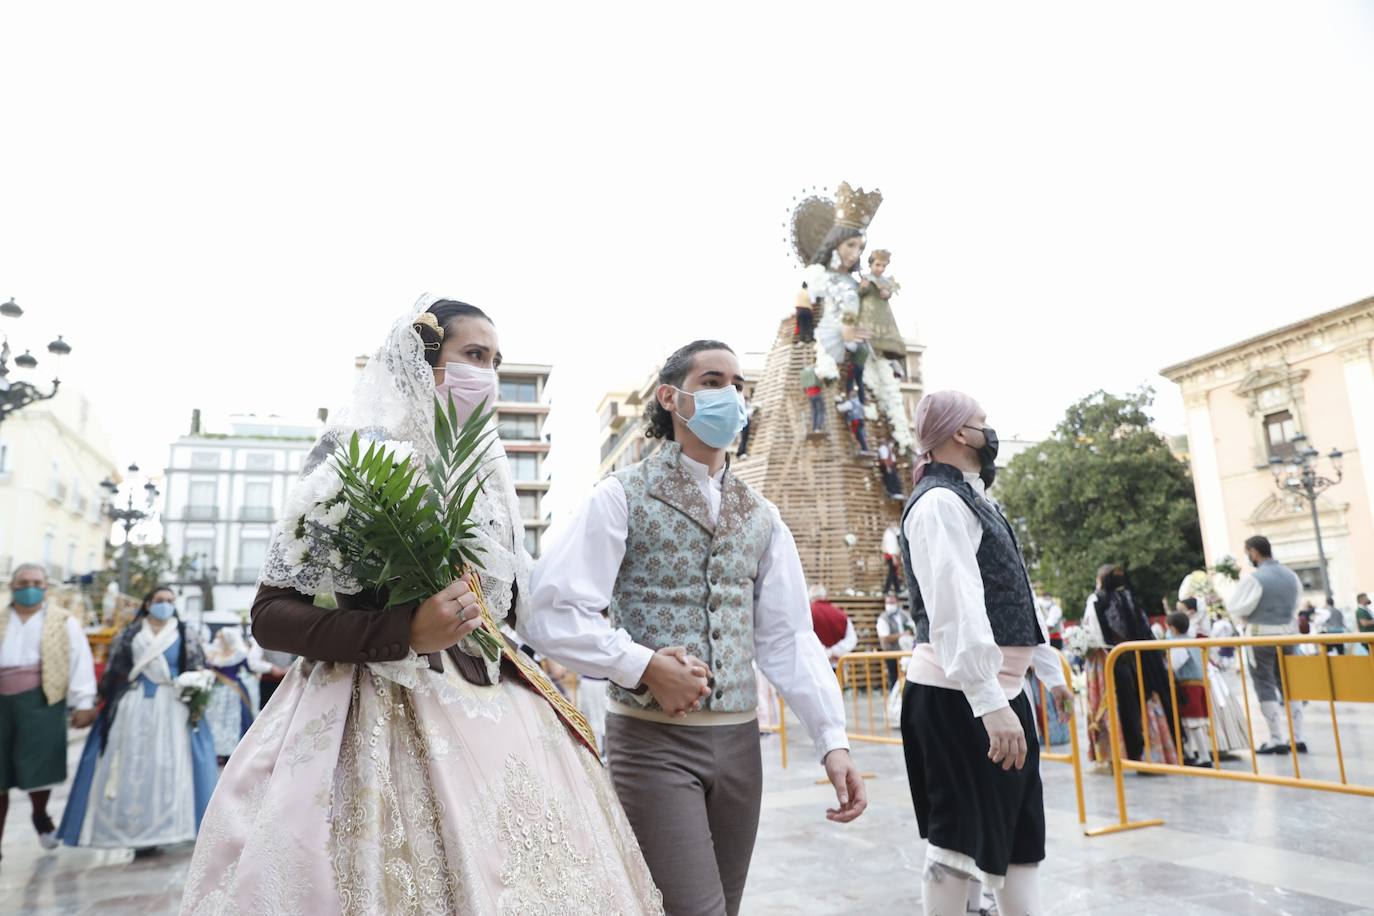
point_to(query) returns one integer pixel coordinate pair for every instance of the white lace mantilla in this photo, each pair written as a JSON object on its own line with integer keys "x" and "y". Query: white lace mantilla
{"x": 394, "y": 400}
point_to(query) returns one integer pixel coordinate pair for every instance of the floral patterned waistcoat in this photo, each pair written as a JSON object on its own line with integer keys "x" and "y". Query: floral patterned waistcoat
{"x": 687, "y": 582}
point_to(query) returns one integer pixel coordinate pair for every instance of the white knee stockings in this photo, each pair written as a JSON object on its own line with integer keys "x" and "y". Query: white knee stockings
{"x": 1020, "y": 893}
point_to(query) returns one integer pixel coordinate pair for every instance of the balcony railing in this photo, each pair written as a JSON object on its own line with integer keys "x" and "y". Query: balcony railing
{"x": 257, "y": 513}
{"x": 201, "y": 513}
{"x": 246, "y": 574}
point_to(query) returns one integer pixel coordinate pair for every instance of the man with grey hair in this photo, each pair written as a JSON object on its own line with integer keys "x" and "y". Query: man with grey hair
{"x": 45, "y": 666}
{"x": 1267, "y": 602}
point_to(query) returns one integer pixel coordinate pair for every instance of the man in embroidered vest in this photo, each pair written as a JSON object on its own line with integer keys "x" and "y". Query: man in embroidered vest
{"x": 968, "y": 731}
{"x": 702, "y": 579}
{"x": 1267, "y": 604}
{"x": 45, "y": 666}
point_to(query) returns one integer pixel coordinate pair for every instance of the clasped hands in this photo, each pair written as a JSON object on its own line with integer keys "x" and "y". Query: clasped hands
{"x": 677, "y": 680}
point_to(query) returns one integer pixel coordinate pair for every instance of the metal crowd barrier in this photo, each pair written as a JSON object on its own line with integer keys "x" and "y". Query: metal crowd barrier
{"x": 856, "y": 676}
{"x": 781, "y": 728}
{"x": 1311, "y": 678}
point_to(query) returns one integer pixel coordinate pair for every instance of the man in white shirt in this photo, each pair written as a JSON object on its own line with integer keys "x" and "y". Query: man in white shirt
{"x": 45, "y": 666}
{"x": 1266, "y": 604}
{"x": 702, "y": 579}
{"x": 892, "y": 558}
{"x": 1052, "y": 615}
{"x": 896, "y": 633}
{"x": 967, "y": 725}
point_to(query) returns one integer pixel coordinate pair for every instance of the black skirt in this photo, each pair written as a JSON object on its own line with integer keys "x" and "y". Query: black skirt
{"x": 964, "y": 802}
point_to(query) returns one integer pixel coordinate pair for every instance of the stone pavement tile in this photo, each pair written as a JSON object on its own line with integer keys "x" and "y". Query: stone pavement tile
{"x": 1144, "y": 880}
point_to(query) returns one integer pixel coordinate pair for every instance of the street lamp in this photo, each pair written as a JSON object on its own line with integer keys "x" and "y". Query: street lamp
{"x": 17, "y": 394}
{"x": 208, "y": 576}
{"x": 1298, "y": 475}
{"x": 129, "y": 517}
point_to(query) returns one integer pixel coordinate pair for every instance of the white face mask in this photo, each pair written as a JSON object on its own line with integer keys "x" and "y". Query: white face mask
{"x": 468, "y": 386}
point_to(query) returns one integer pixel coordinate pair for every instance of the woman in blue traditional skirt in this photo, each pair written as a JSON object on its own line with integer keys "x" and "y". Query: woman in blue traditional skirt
{"x": 147, "y": 773}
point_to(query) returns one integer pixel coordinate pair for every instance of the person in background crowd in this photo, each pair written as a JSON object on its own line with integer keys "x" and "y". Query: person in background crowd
{"x": 271, "y": 679}
{"x": 749, "y": 410}
{"x": 896, "y": 632}
{"x": 147, "y": 773}
{"x": 235, "y": 700}
{"x": 1199, "y": 623}
{"x": 1305, "y": 615}
{"x": 1052, "y": 614}
{"x": 1189, "y": 671}
{"x": 1265, "y": 601}
{"x": 891, "y": 557}
{"x": 811, "y": 384}
{"x": 1333, "y": 621}
{"x": 853, "y": 411}
{"x": 887, "y": 464}
{"x": 806, "y": 320}
{"x": 1364, "y": 619}
{"x": 833, "y": 627}
{"x": 45, "y": 668}
{"x": 854, "y": 370}
{"x": 1112, "y": 618}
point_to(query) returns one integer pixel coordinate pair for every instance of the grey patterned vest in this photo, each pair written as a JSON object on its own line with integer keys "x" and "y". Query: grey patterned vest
{"x": 1006, "y": 585}
{"x": 687, "y": 582}
{"x": 1280, "y": 589}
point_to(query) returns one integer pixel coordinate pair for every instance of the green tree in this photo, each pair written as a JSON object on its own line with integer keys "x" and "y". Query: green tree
{"x": 150, "y": 565}
{"x": 1104, "y": 488}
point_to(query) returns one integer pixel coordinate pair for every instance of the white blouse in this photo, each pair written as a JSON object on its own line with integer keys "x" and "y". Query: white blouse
{"x": 23, "y": 647}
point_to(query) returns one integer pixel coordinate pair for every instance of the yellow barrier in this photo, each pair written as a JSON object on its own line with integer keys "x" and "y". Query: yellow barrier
{"x": 856, "y": 671}
{"x": 1315, "y": 678}
{"x": 780, "y": 729}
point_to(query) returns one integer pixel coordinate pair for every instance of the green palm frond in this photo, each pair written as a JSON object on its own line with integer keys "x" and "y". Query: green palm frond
{"x": 409, "y": 529}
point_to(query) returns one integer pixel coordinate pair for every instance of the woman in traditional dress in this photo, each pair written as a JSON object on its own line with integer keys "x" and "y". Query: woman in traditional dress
{"x": 147, "y": 773}
{"x": 1112, "y": 617}
{"x": 234, "y": 701}
{"x": 394, "y": 772}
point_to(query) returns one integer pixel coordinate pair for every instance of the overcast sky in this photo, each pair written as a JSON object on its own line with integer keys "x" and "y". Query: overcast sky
{"x": 221, "y": 206}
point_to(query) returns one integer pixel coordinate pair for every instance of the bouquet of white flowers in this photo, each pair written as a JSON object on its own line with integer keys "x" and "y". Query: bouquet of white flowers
{"x": 193, "y": 689}
{"x": 1078, "y": 642}
{"x": 379, "y": 516}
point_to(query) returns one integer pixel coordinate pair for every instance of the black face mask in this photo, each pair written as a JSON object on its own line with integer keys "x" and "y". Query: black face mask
{"x": 987, "y": 455}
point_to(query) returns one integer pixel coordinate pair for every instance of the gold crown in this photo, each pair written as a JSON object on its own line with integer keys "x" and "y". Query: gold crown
{"x": 855, "y": 208}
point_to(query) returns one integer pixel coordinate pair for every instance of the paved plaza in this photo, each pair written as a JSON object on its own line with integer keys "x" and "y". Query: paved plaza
{"x": 1226, "y": 847}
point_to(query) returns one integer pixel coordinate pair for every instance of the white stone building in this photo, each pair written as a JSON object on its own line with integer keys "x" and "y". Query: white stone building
{"x": 53, "y": 456}
{"x": 224, "y": 492}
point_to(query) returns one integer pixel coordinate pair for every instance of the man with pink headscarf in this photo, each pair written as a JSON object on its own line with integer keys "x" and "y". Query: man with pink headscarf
{"x": 967, "y": 727}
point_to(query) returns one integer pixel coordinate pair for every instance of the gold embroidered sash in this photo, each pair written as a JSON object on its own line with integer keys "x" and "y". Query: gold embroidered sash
{"x": 533, "y": 675}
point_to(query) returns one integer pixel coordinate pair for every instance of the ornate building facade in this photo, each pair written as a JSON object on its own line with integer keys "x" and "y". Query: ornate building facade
{"x": 1247, "y": 403}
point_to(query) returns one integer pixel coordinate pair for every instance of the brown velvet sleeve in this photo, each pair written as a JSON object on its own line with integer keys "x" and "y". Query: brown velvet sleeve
{"x": 286, "y": 620}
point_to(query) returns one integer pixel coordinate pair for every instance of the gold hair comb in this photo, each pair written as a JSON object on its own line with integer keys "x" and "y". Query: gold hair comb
{"x": 428, "y": 320}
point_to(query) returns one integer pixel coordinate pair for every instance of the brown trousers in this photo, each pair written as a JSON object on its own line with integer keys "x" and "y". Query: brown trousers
{"x": 692, "y": 794}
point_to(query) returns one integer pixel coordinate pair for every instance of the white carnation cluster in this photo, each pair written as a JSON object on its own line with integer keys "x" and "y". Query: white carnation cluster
{"x": 316, "y": 502}
{"x": 827, "y": 370}
{"x": 880, "y": 378}
{"x": 189, "y": 683}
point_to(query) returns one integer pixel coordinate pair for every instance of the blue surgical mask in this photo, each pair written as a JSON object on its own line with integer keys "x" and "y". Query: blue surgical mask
{"x": 719, "y": 416}
{"x": 162, "y": 610}
{"x": 31, "y": 596}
